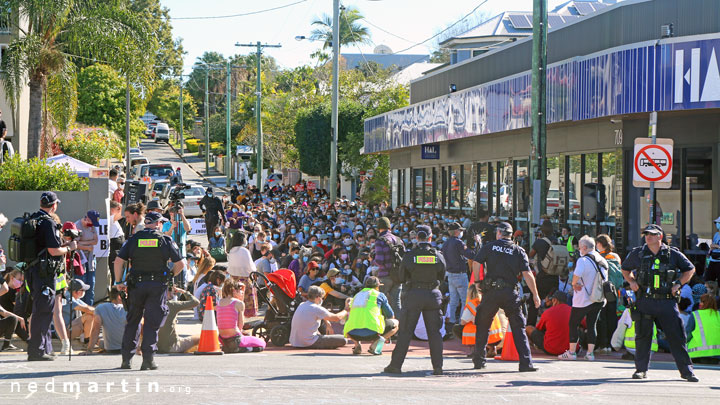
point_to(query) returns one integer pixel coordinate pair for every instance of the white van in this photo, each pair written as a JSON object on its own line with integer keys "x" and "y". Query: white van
{"x": 162, "y": 132}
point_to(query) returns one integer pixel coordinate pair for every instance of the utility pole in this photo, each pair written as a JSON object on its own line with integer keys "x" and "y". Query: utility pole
{"x": 335, "y": 89}
{"x": 228, "y": 160}
{"x": 652, "y": 133}
{"x": 539, "y": 120}
{"x": 182, "y": 139}
{"x": 258, "y": 94}
{"x": 127, "y": 129}
{"x": 207, "y": 124}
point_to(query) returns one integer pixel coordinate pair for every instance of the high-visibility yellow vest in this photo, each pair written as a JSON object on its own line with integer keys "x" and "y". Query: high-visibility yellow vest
{"x": 60, "y": 282}
{"x": 705, "y": 341}
{"x": 630, "y": 338}
{"x": 495, "y": 335}
{"x": 365, "y": 313}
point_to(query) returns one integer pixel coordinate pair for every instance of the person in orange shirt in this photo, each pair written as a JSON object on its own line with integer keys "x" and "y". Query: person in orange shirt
{"x": 465, "y": 330}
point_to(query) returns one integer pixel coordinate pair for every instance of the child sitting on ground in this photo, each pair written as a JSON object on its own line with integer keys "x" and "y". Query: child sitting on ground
{"x": 230, "y": 320}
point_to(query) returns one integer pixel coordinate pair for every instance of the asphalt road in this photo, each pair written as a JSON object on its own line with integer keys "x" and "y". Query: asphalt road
{"x": 292, "y": 376}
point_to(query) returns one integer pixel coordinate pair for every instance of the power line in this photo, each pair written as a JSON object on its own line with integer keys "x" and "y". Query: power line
{"x": 240, "y": 14}
{"x": 446, "y": 29}
{"x": 387, "y": 32}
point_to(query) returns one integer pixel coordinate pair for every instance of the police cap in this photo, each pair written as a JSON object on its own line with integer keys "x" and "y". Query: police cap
{"x": 455, "y": 226}
{"x": 653, "y": 229}
{"x": 505, "y": 228}
{"x": 49, "y": 197}
{"x": 152, "y": 217}
{"x": 423, "y": 231}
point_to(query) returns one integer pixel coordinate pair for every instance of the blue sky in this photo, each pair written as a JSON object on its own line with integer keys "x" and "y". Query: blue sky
{"x": 412, "y": 20}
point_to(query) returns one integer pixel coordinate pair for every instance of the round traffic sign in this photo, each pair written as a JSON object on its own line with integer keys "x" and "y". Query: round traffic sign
{"x": 653, "y": 163}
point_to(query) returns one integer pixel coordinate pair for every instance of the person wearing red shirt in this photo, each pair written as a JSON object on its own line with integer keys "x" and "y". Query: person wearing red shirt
{"x": 552, "y": 332}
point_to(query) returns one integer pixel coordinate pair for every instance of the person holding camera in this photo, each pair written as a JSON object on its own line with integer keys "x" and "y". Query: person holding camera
{"x": 178, "y": 229}
{"x": 41, "y": 277}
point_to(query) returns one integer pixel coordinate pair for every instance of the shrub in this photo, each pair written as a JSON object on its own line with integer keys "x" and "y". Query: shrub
{"x": 37, "y": 175}
{"x": 90, "y": 144}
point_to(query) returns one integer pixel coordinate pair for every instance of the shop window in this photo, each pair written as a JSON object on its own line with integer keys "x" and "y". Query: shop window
{"x": 482, "y": 193}
{"x": 611, "y": 195}
{"x": 469, "y": 180}
{"x": 592, "y": 193}
{"x": 669, "y": 206}
{"x": 575, "y": 181}
{"x": 555, "y": 198}
{"x": 505, "y": 190}
{"x": 418, "y": 187}
{"x": 522, "y": 196}
{"x": 455, "y": 187}
{"x": 699, "y": 225}
{"x": 394, "y": 187}
{"x": 429, "y": 181}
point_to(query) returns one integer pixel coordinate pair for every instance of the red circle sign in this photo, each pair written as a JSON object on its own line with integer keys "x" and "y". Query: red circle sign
{"x": 643, "y": 152}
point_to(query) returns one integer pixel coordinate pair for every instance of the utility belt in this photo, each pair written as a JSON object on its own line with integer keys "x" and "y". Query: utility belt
{"x": 46, "y": 268}
{"x": 657, "y": 295}
{"x": 496, "y": 284}
{"x": 135, "y": 277}
{"x": 431, "y": 285}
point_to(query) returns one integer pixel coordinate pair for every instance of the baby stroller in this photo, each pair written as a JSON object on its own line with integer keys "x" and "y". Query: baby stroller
{"x": 279, "y": 292}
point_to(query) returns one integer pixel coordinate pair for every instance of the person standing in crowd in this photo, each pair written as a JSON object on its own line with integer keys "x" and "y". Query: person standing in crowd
{"x": 546, "y": 283}
{"x": 148, "y": 252}
{"x": 387, "y": 246}
{"x": 40, "y": 277}
{"x": 589, "y": 266}
{"x": 481, "y": 228}
{"x": 552, "y": 334}
{"x": 422, "y": 269}
{"x": 703, "y": 329}
{"x": 116, "y": 235}
{"x": 568, "y": 240}
{"x": 712, "y": 270}
{"x": 212, "y": 209}
{"x": 656, "y": 272}
{"x": 608, "y": 321}
{"x": 112, "y": 182}
{"x": 503, "y": 261}
{"x": 240, "y": 266}
{"x": 235, "y": 219}
{"x": 456, "y": 255}
{"x": 86, "y": 244}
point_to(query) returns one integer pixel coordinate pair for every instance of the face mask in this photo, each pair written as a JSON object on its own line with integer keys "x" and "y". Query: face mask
{"x": 287, "y": 222}
{"x": 293, "y": 231}
{"x": 280, "y": 212}
{"x": 328, "y": 216}
{"x": 717, "y": 225}
{"x": 377, "y": 215}
{"x": 210, "y": 195}
{"x": 324, "y": 242}
{"x": 295, "y": 256}
{"x": 444, "y": 238}
{"x": 347, "y": 242}
{"x": 402, "y": 214}
{"x": 276, "y": 236}
{"x": 461, "y": 235}
{"x": 313, "y": 243}
{"x": 271, "y": 260}
{"x": 339, "y": 281}
{"x": 15, "y": 283}
{"x": 306, "y": 228}
{"x": 406, "y": 240}
{"x": 234, "y": 210}
{"x": 306, "y": 258}
{"x": 218, "y": 233}
{"x": 405, "y": 229}
{"x": 414, "y": 241}
{"x": 337, "y": 234}
{"x": 343, "y": 256}
{"x": 365, "y": 262}
{"x": 434, "y": 222}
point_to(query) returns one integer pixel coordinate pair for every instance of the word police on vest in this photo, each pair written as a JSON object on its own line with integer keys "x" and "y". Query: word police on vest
{"x": 506, "y": 250}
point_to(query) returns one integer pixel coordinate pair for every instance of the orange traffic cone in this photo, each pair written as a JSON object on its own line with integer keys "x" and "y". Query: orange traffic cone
{"x": 509, "y": 351}
{"x": 209, "y": 336}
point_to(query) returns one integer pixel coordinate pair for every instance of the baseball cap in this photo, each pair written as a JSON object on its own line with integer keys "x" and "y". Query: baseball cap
{"x": 504, "y": 227}
{"x": 312, "y": 265}
{"x": 94, "y": 217}
{"x": 383, "y": 223}
{"x": 423, "y": 231}
{"x": 77, "y": 285}
{"x": 69, "y": 225}
{"x": 154, "y": 205}
{"x": 49, "y": 197}
{"x": 653, "y": 229}
{"x": 560, "y": 296}
{"x": 455, "y": 226}
{"x": 152, "y": 217}
{"x": 372, "y": 282}
{"x": 332, "y": 273}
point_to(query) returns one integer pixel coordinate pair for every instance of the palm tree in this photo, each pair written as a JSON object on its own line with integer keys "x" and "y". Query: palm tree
{"x": 50, "y": 33}
{"x": 351, "y": 32}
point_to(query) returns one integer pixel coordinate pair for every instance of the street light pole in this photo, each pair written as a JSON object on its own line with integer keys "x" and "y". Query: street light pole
{"x": 227, "y": 126}
{"x": 207, "y": 124}
{"x": 539, "y": 120}
{"x": 127, "y": 129}
{"x": 182, "y": 138}
{"x": 335, "y": 89}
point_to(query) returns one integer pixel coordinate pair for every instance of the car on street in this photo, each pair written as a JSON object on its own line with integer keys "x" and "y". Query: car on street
{"x": 138, "y": 160}
{"x": 274, "y": 179}
{"x": 162, "y": 132}
{"x": 161, "y": 191}
{"x": 155, "y": 171}
{"x": 555, "y": 208}
{"x": 191, "y": 202}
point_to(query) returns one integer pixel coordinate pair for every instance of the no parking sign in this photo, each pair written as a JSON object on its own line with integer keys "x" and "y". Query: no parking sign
{"x": 652, "y": 163}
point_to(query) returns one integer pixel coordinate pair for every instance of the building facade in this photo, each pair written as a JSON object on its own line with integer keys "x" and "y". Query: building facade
{"x": 606, "y": 73}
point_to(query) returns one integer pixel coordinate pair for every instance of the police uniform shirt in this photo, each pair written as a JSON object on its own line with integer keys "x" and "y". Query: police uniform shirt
{"x": 677, "y": 259}
{"x": 504, "y": 259}
{"x": 49, "y": 235}
{"x": 168, "y": 247}
{"x": 421, "y": 258}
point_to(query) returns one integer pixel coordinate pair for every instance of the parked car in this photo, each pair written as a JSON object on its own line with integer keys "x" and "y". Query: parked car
{"x": 135, "y": 151}
{"x": 138, "y": 160}
{"x": 162, "y": 132}
{"x": 161, "y": 191}
{"x": 191, "y": 202}
{"x": 156, "y": 171}
{"x": 274, "y": 179}
{"x": 553, "y": 204}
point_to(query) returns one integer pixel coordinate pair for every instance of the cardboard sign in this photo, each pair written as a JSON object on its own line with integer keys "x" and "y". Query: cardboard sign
{"x": 102, "y": 248}
{"x": 197, "y": 226}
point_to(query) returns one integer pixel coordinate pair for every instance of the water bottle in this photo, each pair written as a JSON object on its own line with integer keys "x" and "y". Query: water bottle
{"x": 379, "y": 345}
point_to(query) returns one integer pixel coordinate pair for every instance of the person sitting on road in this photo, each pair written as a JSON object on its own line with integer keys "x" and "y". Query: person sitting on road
{"x": 304, "y": 332}
{"x": 216, "y": 245}
{"x": 466, "y": 329}
{"x": 111, "y": 318}
{"x": 703, "y": 330}
{"x": 552, "y": 333}
{"x": 211, "y": 288}
{"x": 168, "y": 339}
{"x": 334, "y": 288}
{"x": 313, "y": 269}
{"x": 230, "y": 320}
{"x": 83, "y": 324}
{"x": 370, "y": 318}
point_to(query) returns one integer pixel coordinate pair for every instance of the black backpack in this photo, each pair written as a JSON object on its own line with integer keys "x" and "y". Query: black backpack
{"x": 398, "y": 251}
{"x": 22, "y": 246}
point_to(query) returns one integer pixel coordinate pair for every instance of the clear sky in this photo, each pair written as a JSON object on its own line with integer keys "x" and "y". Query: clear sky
{"x": 412, "y": 20}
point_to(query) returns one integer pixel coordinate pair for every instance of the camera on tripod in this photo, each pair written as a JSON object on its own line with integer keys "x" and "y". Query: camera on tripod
{"x": 73, "y": 234}
{"x": 176, "y": 196}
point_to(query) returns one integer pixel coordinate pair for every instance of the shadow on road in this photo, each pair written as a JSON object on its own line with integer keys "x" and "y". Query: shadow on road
{"x": 60, "y": 373}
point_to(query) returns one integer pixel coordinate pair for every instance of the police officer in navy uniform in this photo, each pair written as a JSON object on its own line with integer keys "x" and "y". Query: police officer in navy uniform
{"x": 148, "y": 252}
{"x": 656, "y": 273}
{"x": 41, "y": 275}
{"x": 421, "y": 271}
{"x": 504, "y": 261}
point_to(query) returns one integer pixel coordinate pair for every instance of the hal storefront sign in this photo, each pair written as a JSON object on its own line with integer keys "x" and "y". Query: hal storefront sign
{"x": 431, "y": 151}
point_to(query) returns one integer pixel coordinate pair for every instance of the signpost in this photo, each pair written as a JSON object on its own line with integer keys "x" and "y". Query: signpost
{"x": 652, "y": 163}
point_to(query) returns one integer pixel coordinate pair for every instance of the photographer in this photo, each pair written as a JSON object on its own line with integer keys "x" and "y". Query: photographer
{"x": 178, "y": 231}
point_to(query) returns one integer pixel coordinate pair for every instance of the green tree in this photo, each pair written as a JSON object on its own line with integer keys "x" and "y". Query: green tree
{"x": 164, "y": 102}
{"x": 351, "y": 31}
{"x": 36, "y": 174}
{"x": 169, "y": 56}
{"x": 52, "y": 30}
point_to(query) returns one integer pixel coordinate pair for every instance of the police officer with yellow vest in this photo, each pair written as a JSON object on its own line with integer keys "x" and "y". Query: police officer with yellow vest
{"x": 421, "y": 270}
{"x": 148, "y": 252}
{"x": 656, "y": 272}
{"x": 504, "y": 261}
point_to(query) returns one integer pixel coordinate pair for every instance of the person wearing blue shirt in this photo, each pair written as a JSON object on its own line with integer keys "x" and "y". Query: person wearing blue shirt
{"x": 456, "y": 257}
{"x": 712, "y": 270}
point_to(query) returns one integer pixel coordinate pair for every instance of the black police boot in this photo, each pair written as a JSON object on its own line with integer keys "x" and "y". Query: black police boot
{"x": 528, "y": 369}
{"x": 44, "y": 357}
{"x": 392, "y": 370}
{"x": 437, "y": 371}
{"x": 148, "y": 364}
{"x": 478, "y": 362}
{"x": 690, "y": 378}
{"x": 639, "y": 375}
{"x": 125, "y": 365}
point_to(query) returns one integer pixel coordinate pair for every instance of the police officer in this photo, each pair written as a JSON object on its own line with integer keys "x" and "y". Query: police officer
{"x": 456, "y": 256}
{"x": 656, "y": 272}
{"x": 41, "y": 275}
{"x": 504, "y": 261}
{"x": 421, "y": 270}
{"x": 148, "y": 252}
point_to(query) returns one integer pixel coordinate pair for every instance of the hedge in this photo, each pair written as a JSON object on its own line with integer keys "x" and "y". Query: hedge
{"x": 37, "y": 175}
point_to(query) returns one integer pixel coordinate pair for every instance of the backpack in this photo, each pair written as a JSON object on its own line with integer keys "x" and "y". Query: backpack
{"x": 398, "y": 250}
{"x": 601, "y": 289}
{"x": 555, "y": 262}
{"x": 22, "y": 245}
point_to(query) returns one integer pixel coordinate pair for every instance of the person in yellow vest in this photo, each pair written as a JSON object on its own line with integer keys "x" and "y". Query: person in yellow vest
{"x": 371, "y": 319}
{"x": 624, "y": 336}
{"x": 466, "y": 329}
{"x": 703, "y": 329}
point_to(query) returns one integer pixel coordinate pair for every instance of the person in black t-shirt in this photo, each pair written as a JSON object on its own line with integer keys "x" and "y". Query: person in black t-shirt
{"x": 480, "y": 227}
{"x": 546, "y": 283}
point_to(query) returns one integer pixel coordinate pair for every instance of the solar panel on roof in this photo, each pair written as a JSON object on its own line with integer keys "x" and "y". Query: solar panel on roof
{"x": 555, "y": 21}
{"x": 570, "y": 18}
{"x": 520, "y": 21}
{"x": 584, "y": 8}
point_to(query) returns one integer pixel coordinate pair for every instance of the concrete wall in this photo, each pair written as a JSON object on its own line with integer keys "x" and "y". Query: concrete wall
{"x": 73, "y": 206}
